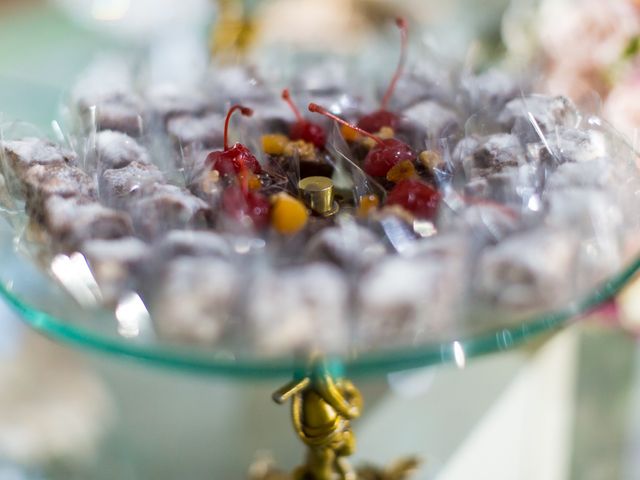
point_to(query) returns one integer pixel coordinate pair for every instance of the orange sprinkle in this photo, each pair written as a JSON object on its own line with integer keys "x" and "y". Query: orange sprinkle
{"x": 401, "y": 171}
{"x": 349, "y": 134}
{"x": 367, "y": 204}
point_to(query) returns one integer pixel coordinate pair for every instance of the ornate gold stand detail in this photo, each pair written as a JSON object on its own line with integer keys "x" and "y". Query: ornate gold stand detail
{"x": 322, "y": 408}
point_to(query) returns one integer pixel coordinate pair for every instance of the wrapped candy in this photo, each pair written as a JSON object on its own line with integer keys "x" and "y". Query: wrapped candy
{"x": 406, "y": 300}
{"x": 207, "y": 289}
{"x": 536, "y": 115}
{"x": 165, "y": 102}
{"x": 492, "y": 155}
{"x": 119, "y": 185}
{"x": 115, "y": 150}
{"x": 104, "y": 99}
{"x": 23, "y": 154}
{"x": 306, "y": 317}
{"x": 40, "y": 183}
{"x": 167, "y": 207}
{"x": 71, "y": 221}
{"x": 528, "y": 270}
{"x": 488, "y": 92}
{"x": 115, "y": 264}
{"x": 201, "y": 131}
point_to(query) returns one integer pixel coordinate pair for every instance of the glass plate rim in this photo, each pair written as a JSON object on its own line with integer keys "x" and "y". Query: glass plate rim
{"x": 366, "y": 364}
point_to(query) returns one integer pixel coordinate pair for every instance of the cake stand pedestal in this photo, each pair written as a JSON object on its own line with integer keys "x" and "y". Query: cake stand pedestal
{"x": 323, "y": 405}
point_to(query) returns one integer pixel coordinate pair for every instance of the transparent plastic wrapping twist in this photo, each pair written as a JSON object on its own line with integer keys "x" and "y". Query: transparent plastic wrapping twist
{"x": 458, "y": 217}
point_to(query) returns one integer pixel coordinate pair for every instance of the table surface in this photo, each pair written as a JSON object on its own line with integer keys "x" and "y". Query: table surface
{"x": 169, "y": 425}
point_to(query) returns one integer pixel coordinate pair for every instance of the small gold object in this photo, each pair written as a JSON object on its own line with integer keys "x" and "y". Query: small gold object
{"x": 317, "y": 193}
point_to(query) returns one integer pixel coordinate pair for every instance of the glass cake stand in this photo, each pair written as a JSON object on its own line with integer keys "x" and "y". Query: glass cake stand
{"x": 46, "y": 307}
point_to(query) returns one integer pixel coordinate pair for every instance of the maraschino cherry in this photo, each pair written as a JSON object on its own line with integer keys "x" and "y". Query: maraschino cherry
{"x": 383, "y": 156}
{"x": 375, "y": 121}
{"x": 232, "y": 159}
{"x": 416, "y": 197}
{"x": 303, "y": 129}
{"x": 239, "y": 201}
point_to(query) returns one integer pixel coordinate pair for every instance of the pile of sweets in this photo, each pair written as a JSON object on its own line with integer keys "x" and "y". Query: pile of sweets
{"x": 336, "y": 226}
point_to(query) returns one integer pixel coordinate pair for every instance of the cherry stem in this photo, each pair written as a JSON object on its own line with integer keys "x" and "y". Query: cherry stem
{"x": 247, "y": 112}
{"x": 286, "y": 96}
{"x": 315, "y": 108}
{"x": 404, "y": 34}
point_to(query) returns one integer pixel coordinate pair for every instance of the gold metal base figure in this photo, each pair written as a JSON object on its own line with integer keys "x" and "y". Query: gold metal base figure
{"x": 322, "y": 408}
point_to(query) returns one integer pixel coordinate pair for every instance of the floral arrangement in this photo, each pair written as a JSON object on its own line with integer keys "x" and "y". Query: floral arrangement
{"x": 588, "y": 50}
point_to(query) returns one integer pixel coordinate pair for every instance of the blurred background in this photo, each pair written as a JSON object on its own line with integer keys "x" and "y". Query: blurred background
{"x": 561, "y": 408}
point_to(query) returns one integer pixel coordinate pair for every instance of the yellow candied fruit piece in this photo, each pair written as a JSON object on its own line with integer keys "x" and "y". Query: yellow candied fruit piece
{"x": 386, "y": 133}
{"x": 368, "y": 142}
{"x": 349, "y": 134}
{"x": 274, "y": 144}
{"x": 430, "y": 159}
{"x": 401, "y": 171}
{"x": 367, "y": 204}
{"x": 306, "y": 150}
{"x": 288, "y": 214}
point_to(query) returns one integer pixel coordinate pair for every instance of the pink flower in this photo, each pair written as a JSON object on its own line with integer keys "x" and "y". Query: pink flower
{"x": 587, "y": 34}
{"x": 583, "y": 41}
{"x": 622, "y": 106}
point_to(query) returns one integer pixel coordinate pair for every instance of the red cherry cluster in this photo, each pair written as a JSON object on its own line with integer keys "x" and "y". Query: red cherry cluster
{"x": 238, "y": 163}
{"x": 412, "y": 194}
{"x": 375, "y": 121}
{"x": 383, "y": 156}
{"x": 303, "y": 129}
